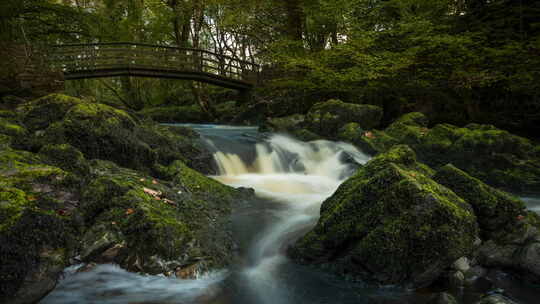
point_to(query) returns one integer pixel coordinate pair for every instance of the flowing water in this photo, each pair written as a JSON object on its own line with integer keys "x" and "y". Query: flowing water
{"x": 291, "y": 180}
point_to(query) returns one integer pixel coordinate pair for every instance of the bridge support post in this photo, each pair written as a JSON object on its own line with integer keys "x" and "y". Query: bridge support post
{"x": 244, "y": 96}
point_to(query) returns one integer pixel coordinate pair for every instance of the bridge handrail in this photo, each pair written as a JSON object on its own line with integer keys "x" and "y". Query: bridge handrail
{"x": 255, "y": 65}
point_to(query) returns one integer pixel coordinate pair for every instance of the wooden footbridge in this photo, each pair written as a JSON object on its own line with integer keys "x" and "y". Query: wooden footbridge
{"x": 80, "y": 61}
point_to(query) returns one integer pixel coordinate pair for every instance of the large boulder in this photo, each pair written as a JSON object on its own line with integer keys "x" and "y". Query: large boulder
{"x": 327, "y": 118}
{"x": 103, "y": 132}
{"x": 390, "y": 223}
{"x": 156, "y": 226}
{"x": 69, "y": 194}
{"x": 495, "y": 156}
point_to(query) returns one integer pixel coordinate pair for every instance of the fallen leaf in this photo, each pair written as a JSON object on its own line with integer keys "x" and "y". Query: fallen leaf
{"x": 154, "y": 182}
{"x": 31, "y": 198}
{"x": 113, "y": 223}
{"x": 130, "y": 211}
{"x": 520, "y": 217}
{"x": 369, "y": 134}
{"x": 151, "y": 192}
{"x": 142, "y": 180}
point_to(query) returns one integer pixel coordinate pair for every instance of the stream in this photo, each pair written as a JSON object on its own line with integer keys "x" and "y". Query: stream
{"x": 291, "y": 179}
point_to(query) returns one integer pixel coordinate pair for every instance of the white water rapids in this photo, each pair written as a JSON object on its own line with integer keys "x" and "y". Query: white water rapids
{"x": 296, "y": 176}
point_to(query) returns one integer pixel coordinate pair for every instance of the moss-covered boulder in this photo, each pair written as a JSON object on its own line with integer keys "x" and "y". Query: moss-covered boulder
{"x": 327, "y": 118}
{"x": 390, "y": 223}
{"x": 40, "y": 113}
{"x": 294, "y": 125}
{"x": 495, "y": 156}
{"x": 36, "y": 233}
{"x": 179, "y": 114}
{"x": 156, "y": 226}
{"x": 102, "y": 132}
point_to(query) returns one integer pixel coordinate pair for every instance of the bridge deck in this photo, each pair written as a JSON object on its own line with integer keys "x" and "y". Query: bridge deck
{"x": 80, "y": 61}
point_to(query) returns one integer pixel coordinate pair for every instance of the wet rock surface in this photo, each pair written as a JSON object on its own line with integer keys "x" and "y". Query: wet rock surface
{"x": 443, "y": 225}
{"x": 390, "y": 223}
{"x": 94, "y": 184}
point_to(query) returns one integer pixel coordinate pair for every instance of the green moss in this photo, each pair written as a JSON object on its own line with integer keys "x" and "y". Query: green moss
{"x": 496, "y": 210}
{"x": 195, "y": 182}
{"x": 400, "y": 154}
{"x": 182, "y": 114}
{"x": 327, "y": 118}
{"x": 392, "y": 220}
{"x": 100, "y": 131}
{"x": 350, "y": 132}
{"x": 5, "y": 141}
{"x": 11, "y": 129}
{"x": 66, "y": 157}
{"x": 17, "y": 159}
{"x": 107, "y": 115}
{"x": 305, "y": 135}
{"x": 40, "y": 113}
{"x": 13, "y": 202}
{"x": 415, "y": 119}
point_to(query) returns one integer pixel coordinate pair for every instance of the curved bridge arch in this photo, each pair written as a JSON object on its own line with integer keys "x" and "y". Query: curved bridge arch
{"x": 81, "y": 61}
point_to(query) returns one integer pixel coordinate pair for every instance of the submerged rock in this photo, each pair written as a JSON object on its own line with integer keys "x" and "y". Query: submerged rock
{"x": 496, "y": 299}
{"x": 443, "y": 298}
{"x": 327, "y": 118}
{"x": 390, "y": 223}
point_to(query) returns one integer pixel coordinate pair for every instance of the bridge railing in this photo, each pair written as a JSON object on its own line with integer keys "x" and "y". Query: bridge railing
{"x": 124, "y": 55}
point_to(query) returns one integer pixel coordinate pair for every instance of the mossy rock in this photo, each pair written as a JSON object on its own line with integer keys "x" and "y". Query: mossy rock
{"x": 40, "y": 113}
{"x": 495, "y": 156}
{"x": 11, "y": 129}
{"x": 177, "y": 114}
{"x": 178, "y": 222}
{"x": 66, "y": 157}
{"x": 305, "y": 135}
{"x": 497, "y": 211}
{"x": 102, "y": 132}
{"x": 390, "y": 223}
{"x": 327, "y": 118}
{"x": 5, "y": 141}
{"x": 285, "y": 124}
{"x": 172, "y": 142}
{"x": 371, "y": 142}
{"x": 35, "y": 237}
